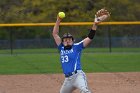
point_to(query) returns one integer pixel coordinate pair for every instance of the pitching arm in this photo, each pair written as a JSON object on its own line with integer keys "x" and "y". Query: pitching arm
{"x": 100, "y": 16}
{"x": 56, "y": 31}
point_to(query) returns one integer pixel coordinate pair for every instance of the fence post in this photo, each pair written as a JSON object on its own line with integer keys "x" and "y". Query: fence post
{"x": 109, "y": 38}
{"x": 11, "y": 41}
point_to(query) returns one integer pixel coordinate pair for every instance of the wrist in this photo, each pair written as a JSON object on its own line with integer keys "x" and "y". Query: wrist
{"x": 94, "y": 27}
{"x": 91, "y": 34}
{"x": 59, "y": 19}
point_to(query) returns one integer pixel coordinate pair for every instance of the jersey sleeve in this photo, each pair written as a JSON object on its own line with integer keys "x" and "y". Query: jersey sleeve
{"x": 60, "y": 46}
{"x": 79, "y": 46}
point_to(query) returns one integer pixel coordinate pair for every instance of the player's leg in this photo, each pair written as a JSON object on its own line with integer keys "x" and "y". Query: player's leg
{"x": 81, "y": 83}
{"x": 67, "y": 86}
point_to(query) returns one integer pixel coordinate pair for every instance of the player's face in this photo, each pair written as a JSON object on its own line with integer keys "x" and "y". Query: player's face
{"x": 67, "y": 41}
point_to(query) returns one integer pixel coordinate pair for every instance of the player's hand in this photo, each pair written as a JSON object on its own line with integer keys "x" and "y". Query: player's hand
{"x": 58, "y": 18}
{"x": 101, "y": 15}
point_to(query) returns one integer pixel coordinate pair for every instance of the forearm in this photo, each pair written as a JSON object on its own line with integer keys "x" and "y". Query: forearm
{"x": 56, "y": 27}
{"x": 91, "y": 35}
{"x": 55, "y": 32}
{"x": 92, "y": 31}
{"x": 94, "y": 27}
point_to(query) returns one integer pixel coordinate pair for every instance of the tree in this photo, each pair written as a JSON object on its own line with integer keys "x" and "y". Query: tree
{"x": 28, "y": 11}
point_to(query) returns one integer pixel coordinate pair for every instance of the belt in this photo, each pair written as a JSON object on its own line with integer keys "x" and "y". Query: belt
{"x": 72, "y": 73}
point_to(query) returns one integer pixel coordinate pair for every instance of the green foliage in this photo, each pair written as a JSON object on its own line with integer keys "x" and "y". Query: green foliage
{"x": 28, "y": 11}
{"x": 46, "y": 10}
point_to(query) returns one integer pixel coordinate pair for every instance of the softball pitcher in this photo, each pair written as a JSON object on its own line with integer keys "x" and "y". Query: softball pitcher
{"x": 70, "y": 54}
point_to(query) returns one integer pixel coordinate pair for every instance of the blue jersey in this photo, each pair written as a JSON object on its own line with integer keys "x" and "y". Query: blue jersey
{"x": 70, "y": 59}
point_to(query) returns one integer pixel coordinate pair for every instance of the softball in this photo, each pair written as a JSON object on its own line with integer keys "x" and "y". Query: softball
{"x": 61, "y": 14}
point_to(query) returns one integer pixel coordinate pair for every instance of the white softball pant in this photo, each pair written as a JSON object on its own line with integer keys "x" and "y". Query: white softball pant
{"x": 78, "y": 81}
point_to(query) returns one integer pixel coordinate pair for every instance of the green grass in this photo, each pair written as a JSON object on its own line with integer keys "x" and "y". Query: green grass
{"x": 29, "y": 63}
{"x": 91, "y": 50}
{"x": 54, "y": 50}
{"x": 49, "y": 63}
{"x": 114, "y": 62}
{"x": 29, "y": 51}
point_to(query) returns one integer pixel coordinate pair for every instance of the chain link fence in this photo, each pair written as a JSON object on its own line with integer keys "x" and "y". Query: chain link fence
{"x": 109, "y": 38}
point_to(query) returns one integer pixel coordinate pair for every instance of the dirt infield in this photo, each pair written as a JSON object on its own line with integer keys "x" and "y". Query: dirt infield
{"x": 51, "y": 83}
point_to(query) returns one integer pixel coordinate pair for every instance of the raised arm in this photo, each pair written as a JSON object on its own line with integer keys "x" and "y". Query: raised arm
{"x": 56, "y": 31}
{"x": 100, "y": 16}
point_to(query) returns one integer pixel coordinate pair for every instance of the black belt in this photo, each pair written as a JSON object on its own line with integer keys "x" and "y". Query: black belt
{"x": 70, "y": 74}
